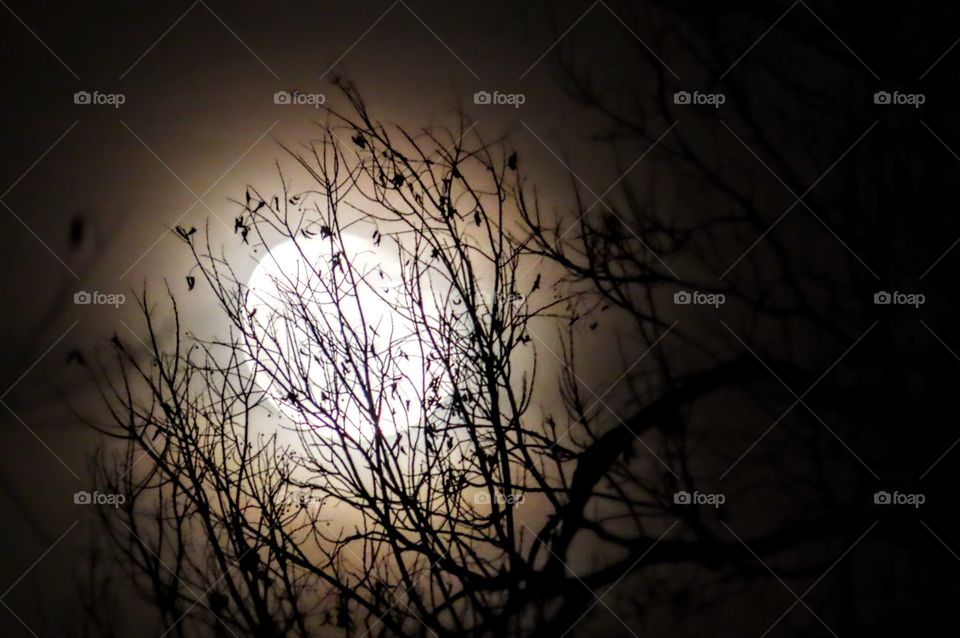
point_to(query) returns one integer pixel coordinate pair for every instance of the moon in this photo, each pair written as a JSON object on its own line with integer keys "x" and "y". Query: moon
{"x": 331, "y": 320}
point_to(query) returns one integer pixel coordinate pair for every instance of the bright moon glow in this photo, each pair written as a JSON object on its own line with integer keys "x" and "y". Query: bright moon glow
{"x": 321, "y": 323}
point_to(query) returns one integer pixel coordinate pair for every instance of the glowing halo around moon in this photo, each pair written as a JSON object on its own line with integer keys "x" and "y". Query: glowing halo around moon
{"x": 304, "y": 306}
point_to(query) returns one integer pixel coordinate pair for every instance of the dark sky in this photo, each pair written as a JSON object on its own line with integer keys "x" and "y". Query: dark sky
{"x": 198, "y": 123}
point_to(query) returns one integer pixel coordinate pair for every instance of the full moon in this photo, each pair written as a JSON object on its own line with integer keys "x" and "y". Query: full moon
{"x": 335, "y": 343}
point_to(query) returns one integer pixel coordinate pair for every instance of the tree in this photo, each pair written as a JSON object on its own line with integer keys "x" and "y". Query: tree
{"x": 430, "y": 486}
{"x": 396, "y": 510}
{"x": 792, "y": 200}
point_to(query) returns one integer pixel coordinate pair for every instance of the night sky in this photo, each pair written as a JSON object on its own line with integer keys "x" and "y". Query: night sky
{"x": 827, "y": 131}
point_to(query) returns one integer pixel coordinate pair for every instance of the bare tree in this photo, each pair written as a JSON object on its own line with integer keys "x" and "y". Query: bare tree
{"x": 788, "y": 201}
{"x": 411, "y": 427}
{"x": 421, "y": 473}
